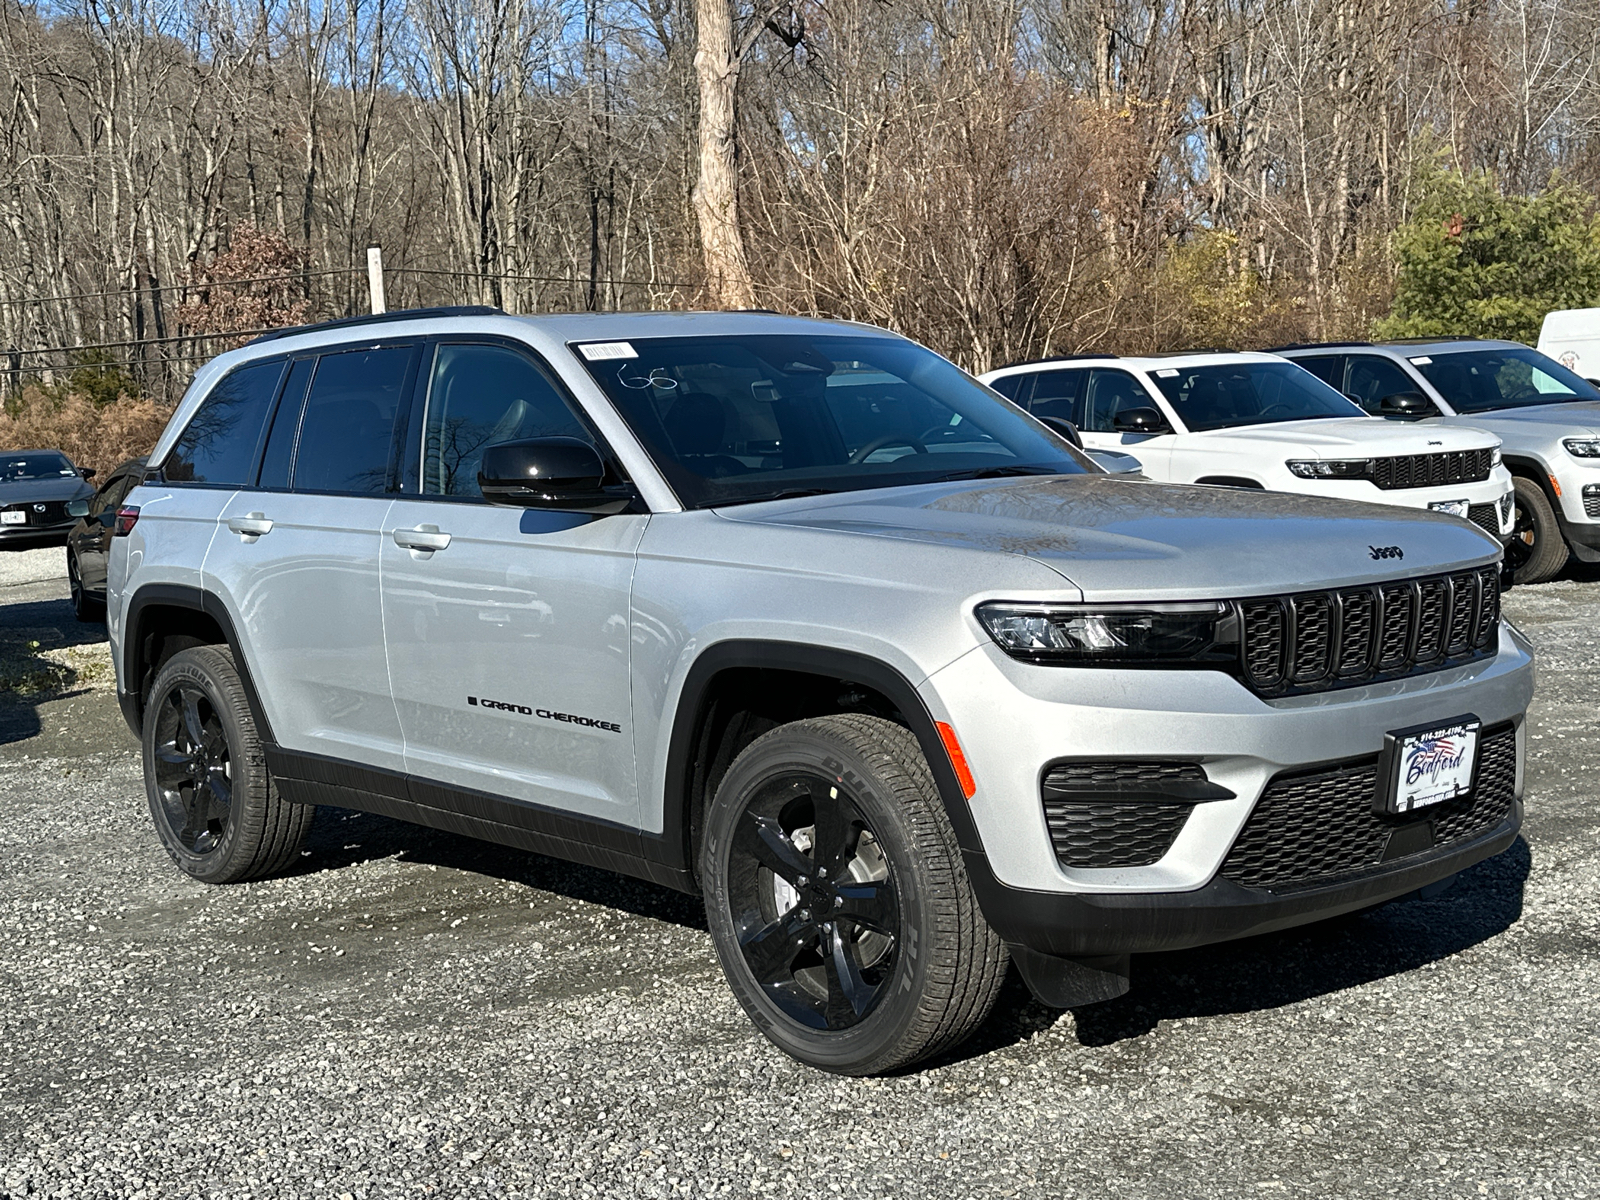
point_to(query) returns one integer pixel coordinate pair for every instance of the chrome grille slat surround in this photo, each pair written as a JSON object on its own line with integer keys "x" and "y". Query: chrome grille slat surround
{"x": 1316, "y": 641}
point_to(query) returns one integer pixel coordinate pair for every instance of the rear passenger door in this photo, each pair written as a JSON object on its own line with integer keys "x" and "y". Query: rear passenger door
{"x": 508, "y": 629}
{"x": 296, "y": 557}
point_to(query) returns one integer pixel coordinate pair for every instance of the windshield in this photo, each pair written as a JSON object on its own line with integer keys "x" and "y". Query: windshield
{"x": 34, "y": 466}
{"x": 742, "y": 418}
{"x": 1221, "y": 396}
{"x": 1476, "y": 381}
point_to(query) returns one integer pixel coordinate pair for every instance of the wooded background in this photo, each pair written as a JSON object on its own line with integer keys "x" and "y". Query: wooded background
{"x": 996, "y": 178}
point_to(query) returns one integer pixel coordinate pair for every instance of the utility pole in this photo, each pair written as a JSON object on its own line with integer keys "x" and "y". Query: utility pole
{"x": 375, "y": 278}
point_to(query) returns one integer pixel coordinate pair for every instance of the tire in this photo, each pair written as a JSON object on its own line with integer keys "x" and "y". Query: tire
{"x": 84, "y": 606}
{"x": 911, "y": 967}
{"x": 233, "y": 826}
{"x": 1537, "y": 550}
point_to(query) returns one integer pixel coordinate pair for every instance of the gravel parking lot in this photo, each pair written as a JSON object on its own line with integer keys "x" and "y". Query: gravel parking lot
{"x": 415, "y": 1014}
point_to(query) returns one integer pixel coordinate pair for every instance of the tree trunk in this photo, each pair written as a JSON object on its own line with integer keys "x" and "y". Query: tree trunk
{"x": 716, "y": 192}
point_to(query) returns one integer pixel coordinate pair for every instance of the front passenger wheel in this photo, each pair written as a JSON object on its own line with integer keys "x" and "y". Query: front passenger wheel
{"x": 216, "y": 809}
{"x": 1537, "y": 550}
{"x": 84, "y": 606}
{"x": 838, "y": 900}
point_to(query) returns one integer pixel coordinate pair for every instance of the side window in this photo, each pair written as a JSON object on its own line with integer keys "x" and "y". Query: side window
{"x": 1372, "y": 379}
{"x": 1327, "y": 367}
{"x": 347, "y": 431}
{"x": 218, "y": 446}
{"x": 1010, "y": 386}
{"x": 278, "y": 457}
{"x": 1056, "y": 394}
{"x": 479, "y": 395}
{"x": 111, "y": 494}
{"x": 1108, "y": 393}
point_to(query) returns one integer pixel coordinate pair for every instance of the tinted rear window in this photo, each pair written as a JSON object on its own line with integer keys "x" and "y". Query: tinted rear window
{"x": 218, "y": 447}
{"x": 347, "y": 432}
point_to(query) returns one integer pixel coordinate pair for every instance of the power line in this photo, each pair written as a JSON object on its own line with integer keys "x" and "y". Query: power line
{"x": 584, "y": 281}
{"x": 191, "y": 286}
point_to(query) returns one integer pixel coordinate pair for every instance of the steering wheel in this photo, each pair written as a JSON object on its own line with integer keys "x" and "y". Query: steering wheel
{"x": 1272, "y": 408}
{"x": 1526, "y": 389}
{"x": 888, "y": 439}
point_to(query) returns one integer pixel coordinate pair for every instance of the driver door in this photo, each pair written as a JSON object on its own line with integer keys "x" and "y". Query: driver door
{"x": 1109, "y": 391}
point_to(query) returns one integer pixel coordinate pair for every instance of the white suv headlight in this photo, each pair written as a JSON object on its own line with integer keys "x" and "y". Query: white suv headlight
{"x": 1583, "y": 447}
{"x": 1203, "y": 633}
{"x": 1494, "y": 458}
{"x": 1329, "y": 468}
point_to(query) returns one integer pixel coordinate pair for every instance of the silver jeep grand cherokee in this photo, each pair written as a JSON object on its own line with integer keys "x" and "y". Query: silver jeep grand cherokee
{"x": 797, "y": 615}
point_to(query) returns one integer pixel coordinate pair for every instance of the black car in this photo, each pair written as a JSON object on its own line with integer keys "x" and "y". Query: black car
{"x": 90, "y": 539}
{"x": 35, "y": 488}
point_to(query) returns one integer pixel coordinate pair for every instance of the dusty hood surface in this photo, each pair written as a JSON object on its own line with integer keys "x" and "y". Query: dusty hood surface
{"x": 1129, "y": 539}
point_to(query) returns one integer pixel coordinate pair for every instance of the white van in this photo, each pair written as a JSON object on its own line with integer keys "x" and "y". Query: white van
{"x": 1571, "y": 336}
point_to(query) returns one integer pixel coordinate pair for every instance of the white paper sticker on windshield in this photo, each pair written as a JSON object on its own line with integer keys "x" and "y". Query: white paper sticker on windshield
{"x": 596, "y": 351}
{"x": 1167, "y": 374}
{"x": 1422, "y": 360}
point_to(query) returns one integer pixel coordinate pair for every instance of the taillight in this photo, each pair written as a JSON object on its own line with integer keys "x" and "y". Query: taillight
{"x": 127, "y": 518}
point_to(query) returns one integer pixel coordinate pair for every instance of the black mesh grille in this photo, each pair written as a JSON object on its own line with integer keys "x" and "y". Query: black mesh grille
{"x": 1432, "y": 470}
{"x": 1310, "y": 828}
{"x": 1110, "y": 833}
{"x": 1090, "y": 827}
{"x": 1485, "y": 516}
{"x": 1102, "y": 774}
{"x": 55, "y": 511}
{"x": 1591, "y": 500}
{"x": 1322, "y": 640}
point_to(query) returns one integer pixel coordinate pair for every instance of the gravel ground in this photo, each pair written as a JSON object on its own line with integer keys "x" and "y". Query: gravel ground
{"x": 413, "y": 1014}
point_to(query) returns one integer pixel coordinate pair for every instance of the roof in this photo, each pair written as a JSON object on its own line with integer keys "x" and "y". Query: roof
{"x": 1406, "y": 345}
{"x": 1145, "y": 362}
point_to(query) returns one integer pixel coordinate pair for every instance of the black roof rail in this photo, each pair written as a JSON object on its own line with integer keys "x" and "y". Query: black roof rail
{"x": 1035, "y": 362}
{"x": 1313, "y": 346}
{"x": 1191, "y": 350}
{"x": 402, "y": 314}
{"x": 1429, "y": 341}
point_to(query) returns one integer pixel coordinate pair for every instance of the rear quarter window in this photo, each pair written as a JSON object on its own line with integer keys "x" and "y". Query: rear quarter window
{"x": 218, "y": 446}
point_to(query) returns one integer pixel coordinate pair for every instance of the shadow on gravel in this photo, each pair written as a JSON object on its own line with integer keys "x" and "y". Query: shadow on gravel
{"x": 342, "y": 837}
{"x": 1276, "y": 969}
{"x": 1283, "y": 968}
{"x": 28, "y": 676}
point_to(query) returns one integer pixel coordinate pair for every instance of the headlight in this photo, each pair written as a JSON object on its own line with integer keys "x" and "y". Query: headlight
{"x": 1494, "y": 457}
{"x": 1328, "y": 468}
{"x": 1583, "y": 447}
{"x": 1202, "y": 633}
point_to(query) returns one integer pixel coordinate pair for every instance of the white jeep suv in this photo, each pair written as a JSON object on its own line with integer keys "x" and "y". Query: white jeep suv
{"x": 1244, "y": 421}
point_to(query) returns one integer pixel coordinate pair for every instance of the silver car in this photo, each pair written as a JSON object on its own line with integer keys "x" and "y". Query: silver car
{"x": 1546, "y": 417}
{"x": 797, "y": 615}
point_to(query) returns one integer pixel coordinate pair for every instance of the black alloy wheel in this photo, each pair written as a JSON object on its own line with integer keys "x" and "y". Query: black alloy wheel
{"x": 215, "y": 806}
{"x": 814, "y": 901}
{"x": 193, "y": 768}
{"x": 1536, "y": 551}
{"x": 838, "y": 899}
{"x": 84, "y": 606}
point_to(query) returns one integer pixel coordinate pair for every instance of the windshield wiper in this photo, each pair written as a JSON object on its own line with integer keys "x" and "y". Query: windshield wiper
{"x": 780, "y": 494}
{"x": 997, "y": 473}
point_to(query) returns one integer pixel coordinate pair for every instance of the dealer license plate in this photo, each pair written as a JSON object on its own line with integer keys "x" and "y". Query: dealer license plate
{"x": 13, "y": 518}
{"x": 1429, "y": 765}
{"x": 1456, "y": 508}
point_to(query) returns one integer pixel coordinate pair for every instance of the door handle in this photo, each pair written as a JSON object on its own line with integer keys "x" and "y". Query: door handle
{"x": 423, "y": 537}
{"x": 251, "y": 525}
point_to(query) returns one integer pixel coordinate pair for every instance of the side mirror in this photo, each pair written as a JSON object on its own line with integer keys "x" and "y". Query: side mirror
{"x": 1407, "y": 404}
{"x": 1065, "y": 428}
{"x": 87, "y": 472}
{"x": 1139, "y": 420}
{"x": 77, "y": 508}
{"x": 561, "y": 474}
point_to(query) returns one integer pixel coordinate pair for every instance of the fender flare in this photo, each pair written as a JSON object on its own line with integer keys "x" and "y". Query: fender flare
{"x": 177, "y": 595}
{"x": 813, "y": 660}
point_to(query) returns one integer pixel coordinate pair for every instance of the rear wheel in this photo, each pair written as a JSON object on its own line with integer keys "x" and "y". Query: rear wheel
{"x": 1537, "y": 550}
{"x": 84, "y": 606}
{"x": 215, "y": 807}
{"x": 838, "y": 901}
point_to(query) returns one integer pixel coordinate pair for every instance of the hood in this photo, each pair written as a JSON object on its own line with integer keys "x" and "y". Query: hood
{"x": 54, "y": 487}
{"x": 1362, "y": 437}
{"x": 1574, "y": 418}
{"x": 1121, "y": 539}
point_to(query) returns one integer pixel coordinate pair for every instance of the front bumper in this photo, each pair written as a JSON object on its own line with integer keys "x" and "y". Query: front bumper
{"x": 23, "y": 533}
{"x": 1110, "y": 924}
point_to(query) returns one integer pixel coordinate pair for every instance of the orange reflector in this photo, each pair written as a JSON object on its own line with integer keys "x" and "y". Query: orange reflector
{"x": 958, "y": 760}
{"x": 1555, "y": 485}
